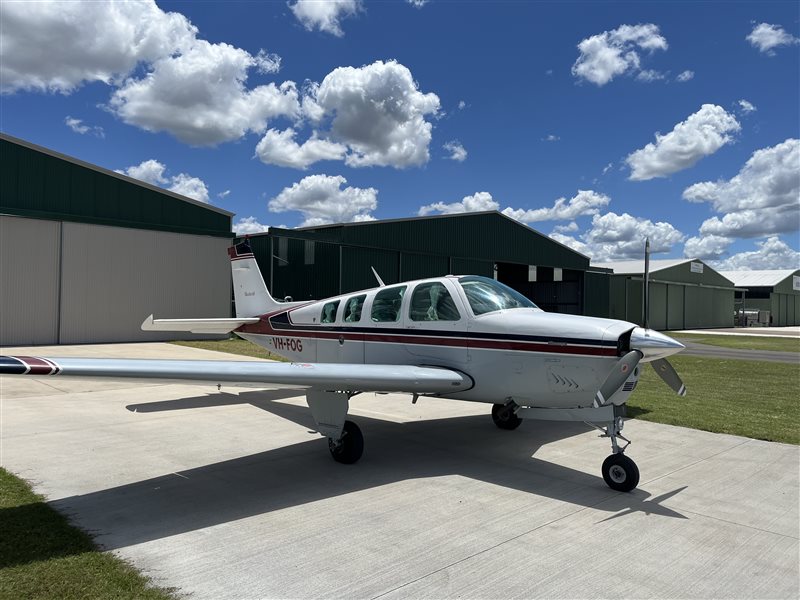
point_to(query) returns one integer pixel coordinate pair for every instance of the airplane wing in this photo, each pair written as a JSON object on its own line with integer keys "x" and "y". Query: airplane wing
{"x": 196, "y": 325}
{"x": 325, "y": 376}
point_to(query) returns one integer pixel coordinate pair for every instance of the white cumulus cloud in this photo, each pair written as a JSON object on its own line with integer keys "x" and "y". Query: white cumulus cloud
{"x": 746, "y": 107}
{"x": 154, "y": 172}
{"x": 685, "y": 76}
{"x": 621, "y": 237}
{"x": 321, "y": 199}
{"x": 59, "y": 46}
{"x": 478, "y": 202}
{"x": 772, "y": 253}
{"x": 649, "y": 75}
{"x": 376, "y": 110}
{"x": 767, "y": 37}
{"x": 78, "y": 126}
{"x": 456, "y": 150}
{"x": 200, "y": 97}
{"x": 417, "y": 3}
{"x": 700, "y": 135}
{"x": 325, "y": 15}
{"x": 247, "y": 225}
{"x": 613, "y": 53}
{"x": 279, "y": 148}
{"x": 762, "y": 199}
{"x": 707, "y": 247}
{"x": 585, "y": 202}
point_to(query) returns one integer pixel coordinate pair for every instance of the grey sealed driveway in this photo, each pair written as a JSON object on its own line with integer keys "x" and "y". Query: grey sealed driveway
{"x": 228, "y": 495}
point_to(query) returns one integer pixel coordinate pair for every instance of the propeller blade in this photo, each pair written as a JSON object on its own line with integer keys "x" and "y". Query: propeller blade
{"x": 622, "y": 370}
{"x": 668, "y": 374}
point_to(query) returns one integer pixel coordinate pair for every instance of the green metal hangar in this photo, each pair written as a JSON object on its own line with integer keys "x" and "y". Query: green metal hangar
{"x": 87, "y": 254}
{"x": 317, "y": 262}
{"x": 684, "y": 294}
{"x": 775, "y": 291}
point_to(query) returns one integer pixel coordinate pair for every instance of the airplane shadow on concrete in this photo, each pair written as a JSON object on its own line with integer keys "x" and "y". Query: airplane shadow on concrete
{"x": 469, "y": 446}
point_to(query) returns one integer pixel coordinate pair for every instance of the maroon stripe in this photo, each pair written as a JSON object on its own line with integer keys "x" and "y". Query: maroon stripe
{"x": 264, "y": 328}
{"x": 37, "y": 366}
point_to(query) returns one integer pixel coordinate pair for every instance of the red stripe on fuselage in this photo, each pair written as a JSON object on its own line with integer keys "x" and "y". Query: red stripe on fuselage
{"x": 264, "y": 327}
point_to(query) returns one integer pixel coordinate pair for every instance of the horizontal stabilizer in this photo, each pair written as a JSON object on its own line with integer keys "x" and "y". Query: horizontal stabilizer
{"x": 195, "y": 325}
{"x": 326, "y": 376}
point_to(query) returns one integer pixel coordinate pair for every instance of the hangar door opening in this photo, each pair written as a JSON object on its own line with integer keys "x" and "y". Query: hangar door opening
{"x": 552, "y": 289}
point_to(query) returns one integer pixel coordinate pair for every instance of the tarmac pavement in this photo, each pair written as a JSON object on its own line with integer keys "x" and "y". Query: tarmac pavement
{"x": 228, "y": 494}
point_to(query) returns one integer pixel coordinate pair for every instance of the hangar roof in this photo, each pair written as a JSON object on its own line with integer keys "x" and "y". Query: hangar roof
{"x": 767, "y": 278}
{"x": 487, "y": 235}
{"x": 37, "y": 182}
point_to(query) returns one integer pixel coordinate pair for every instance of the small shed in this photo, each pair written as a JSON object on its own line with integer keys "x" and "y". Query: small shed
{"x": 684, "y": 294}
{"x": 777, "y": 291}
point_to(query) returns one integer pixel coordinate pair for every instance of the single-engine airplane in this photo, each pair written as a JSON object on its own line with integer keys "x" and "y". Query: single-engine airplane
{"x": 461, "y": 337}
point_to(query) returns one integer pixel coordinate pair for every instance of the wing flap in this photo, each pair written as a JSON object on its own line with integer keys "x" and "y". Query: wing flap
{"x": 196, "y": 325}
{"x": 336, "y": 377}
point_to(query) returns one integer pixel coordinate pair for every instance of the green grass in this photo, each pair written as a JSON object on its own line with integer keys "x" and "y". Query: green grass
{"x": 232, "y": 346}
{"x": 43, "y": 556}
{"x": 748, "y": 398}
{"x": 743, "y": 342}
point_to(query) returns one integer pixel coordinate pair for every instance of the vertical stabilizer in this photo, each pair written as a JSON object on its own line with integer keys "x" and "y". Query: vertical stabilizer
{"x": 249, "y": 290}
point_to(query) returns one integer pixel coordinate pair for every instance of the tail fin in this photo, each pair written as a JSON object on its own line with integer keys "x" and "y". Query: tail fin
{"x": 249, "y": 290}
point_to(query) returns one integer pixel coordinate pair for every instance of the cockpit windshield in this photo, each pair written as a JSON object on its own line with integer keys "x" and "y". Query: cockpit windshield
{"x": 487, "y": 295}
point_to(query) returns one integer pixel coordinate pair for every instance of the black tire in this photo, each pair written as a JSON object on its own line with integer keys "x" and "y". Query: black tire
{"x": 351, "y": 446}
{"x": 504, "y": 417}
{"x": 620, "y": 473}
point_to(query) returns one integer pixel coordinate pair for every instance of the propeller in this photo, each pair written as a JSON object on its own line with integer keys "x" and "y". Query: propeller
{"x": 662, "y": 367}
{"x": 668, "y": 374}
{"x": 622, "y": 370}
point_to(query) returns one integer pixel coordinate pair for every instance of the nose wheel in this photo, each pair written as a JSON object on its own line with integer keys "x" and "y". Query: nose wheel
{"x": 620, "y": 473}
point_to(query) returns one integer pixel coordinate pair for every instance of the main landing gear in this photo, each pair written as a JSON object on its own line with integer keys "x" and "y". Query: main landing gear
{"x": 349, "y": 447}
{"x": 505, "y": 417}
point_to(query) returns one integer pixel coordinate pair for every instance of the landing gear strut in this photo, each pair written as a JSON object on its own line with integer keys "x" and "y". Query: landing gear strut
{"x": 348, "y": 448}
{"x": 619, "y": 471}
{"x": 504, "y": 416}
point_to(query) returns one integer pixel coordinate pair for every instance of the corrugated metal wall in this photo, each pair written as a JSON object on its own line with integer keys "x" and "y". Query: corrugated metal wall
{"x": 672, "y": 305}
{"x": 110, "y": 280}
{"x": 30, "y": 253}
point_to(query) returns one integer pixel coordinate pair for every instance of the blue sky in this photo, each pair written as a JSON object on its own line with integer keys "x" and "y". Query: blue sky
{"x": 302, "y": 113}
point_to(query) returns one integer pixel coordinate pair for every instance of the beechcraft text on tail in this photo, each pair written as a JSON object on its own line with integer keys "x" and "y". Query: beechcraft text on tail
{"x": 460, "y": 337}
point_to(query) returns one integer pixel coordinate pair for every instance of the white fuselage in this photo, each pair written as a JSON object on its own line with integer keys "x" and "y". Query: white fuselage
{"x": 522, "y": 354}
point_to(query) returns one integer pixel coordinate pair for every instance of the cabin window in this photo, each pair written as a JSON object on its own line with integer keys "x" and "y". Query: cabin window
{"x": 352, "y": 310}
{"x": 386, "y": 306}
{"x": 329, "y": 312}
{"x": 487, "y": 295}
{"x": 432, "y": 302}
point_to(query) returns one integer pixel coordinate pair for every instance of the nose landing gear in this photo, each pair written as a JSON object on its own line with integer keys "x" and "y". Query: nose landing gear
{"x": 619, "y": 472}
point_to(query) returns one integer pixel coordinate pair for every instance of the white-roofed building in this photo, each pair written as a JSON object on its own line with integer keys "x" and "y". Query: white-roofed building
{"x": 777, "y": 291}
{"x": 684, "y": 294}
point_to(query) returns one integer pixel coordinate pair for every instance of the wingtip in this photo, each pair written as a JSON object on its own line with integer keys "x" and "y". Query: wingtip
{"x": 147, "y": 324}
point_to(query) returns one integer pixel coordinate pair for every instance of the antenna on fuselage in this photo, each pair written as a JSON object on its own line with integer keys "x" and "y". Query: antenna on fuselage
{"x": 646, "y": 296}
{"x": 378, "y": 277}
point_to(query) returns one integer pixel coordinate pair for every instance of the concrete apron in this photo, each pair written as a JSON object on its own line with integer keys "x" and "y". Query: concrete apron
{"x": 229, "y": 495}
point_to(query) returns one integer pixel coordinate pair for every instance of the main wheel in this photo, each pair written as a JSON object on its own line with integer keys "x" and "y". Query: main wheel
{"x": 350, "y": 448}
{"x": 504, "y": 417}
{"x": 620, "y": 473}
